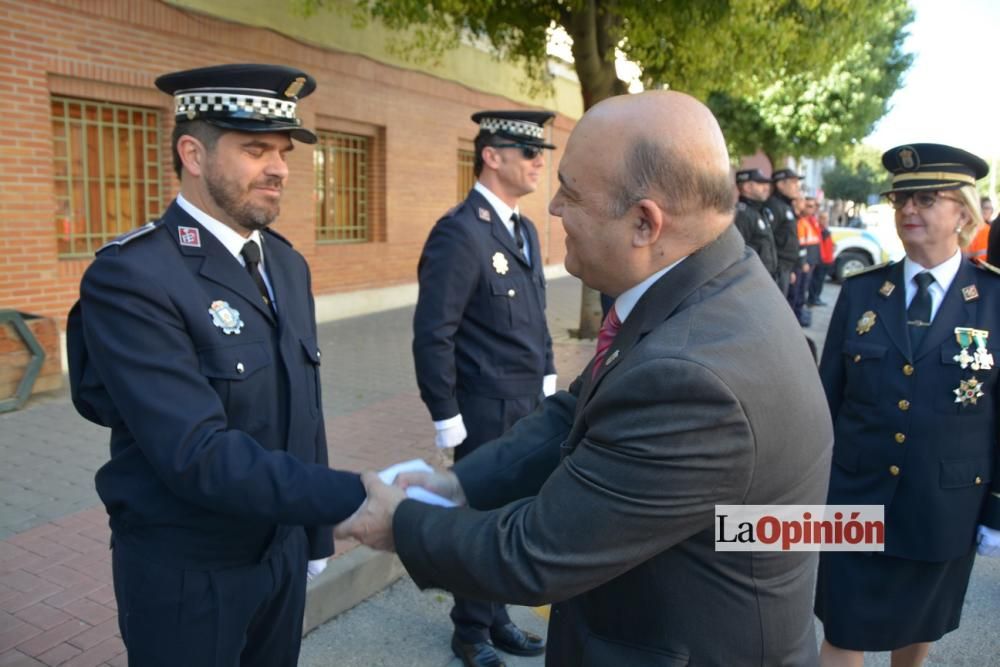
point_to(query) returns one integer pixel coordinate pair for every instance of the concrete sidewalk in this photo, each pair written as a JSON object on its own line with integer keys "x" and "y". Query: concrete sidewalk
{"x": 57, "y": 604}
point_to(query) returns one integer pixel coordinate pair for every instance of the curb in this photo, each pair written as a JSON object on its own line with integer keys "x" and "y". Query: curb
{"x": 347, "y": 581}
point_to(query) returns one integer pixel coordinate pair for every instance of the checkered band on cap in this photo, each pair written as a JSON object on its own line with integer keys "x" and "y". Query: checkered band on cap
{"x": 194, "y": 105}
{"x": 516, "y": 127}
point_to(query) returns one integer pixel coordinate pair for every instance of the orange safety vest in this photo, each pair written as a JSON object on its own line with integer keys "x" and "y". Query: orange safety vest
{"x": 808, "y": 234}
{"x": 977, "y": 248}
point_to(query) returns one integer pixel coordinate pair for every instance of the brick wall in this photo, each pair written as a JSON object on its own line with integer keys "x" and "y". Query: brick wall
{"x": 112, "y": 50}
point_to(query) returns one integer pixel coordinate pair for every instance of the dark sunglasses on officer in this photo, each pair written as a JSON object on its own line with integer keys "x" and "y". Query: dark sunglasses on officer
{"x": 529, "y": 152}
{"x": 921, "y": 198}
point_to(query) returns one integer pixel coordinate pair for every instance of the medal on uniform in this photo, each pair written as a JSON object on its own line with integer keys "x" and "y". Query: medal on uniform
{"x": 968, "y": 391}
{"x": 983, "y": 358}
{"x": 866, "y": 322}
{"x": 964, "y": 337}
{"x": 970, "y": 293}
{"x": 500, "y": 264}
{"x": 225, "y": 317}
{"x": 886, "y": 289}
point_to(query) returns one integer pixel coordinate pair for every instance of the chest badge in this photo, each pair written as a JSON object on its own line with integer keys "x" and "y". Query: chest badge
{"x": 968, "y": 391}
{"x": 866, "y": 322}
{"x": 981, "y": 359}
{"x": 484, "y": 214}
{"x": 189, "y": 237}
{"x": 225, "y": 317}
{"x": 886, "y": 289}
{"x": 970, "y": 293}
{"x": 500, "y": 264}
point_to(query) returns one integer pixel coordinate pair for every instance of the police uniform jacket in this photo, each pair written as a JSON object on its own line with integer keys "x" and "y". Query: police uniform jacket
{"x": 785, "y": 228}
{"x": 479, "y": 324}
{"x": 753, "y": 220}
{"x": 214, "y": 406}
{"x": 602, "y": 501}
{"x": 902, "y": 438}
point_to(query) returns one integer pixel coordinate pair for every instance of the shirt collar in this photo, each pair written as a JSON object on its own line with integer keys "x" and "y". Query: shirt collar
{"x": 228, "y": 237}
{"x": 626, "y": 300}
{"x": 501, "y": 208}
{"x": 944, "y": 273}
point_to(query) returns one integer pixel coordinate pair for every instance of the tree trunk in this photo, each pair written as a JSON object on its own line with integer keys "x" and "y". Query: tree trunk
{"x": 594, "y": 29}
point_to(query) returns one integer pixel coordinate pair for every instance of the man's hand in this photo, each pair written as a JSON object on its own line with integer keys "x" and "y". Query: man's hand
{"x": 989, "y": 542}
{"x": 315, "y": 568}
{"x": 449, "y": 433}
{"x": 445, "y": 484}
{"x": 371, "y": 524}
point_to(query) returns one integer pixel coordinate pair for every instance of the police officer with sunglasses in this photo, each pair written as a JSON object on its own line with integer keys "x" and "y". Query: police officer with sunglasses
{"x": 481, "y": 345}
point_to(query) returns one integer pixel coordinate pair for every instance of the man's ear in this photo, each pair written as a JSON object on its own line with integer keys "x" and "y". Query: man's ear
{"x": 491, "y": 157}
{"x": 192, "y": 153}
{"x": 649, "y": 225}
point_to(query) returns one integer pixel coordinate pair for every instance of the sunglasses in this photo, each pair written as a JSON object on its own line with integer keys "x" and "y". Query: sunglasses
{"x": 529, "y": 152}
{"x": 921, "y": 199}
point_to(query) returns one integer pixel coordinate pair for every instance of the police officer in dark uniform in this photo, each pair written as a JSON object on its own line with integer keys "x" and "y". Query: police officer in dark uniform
{"x": 753, "y": 219}
{"x": 913, "y": 387}
{"x": 785, "y": 224}
{"x": 481, "y": 345}
{"x": 194, "y": 341}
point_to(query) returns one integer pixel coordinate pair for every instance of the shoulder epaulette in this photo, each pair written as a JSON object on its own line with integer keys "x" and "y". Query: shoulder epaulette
{"x": 278, "y": 237}
{"x": 986, "y": 266}
{"x": 868, "y": 269}
{"x": 130, "y": 236}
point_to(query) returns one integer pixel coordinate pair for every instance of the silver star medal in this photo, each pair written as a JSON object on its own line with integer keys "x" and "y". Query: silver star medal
{"x": 500, "y": 264}
{"x": 225, "y": 317}
{"x": 968, "y": 391}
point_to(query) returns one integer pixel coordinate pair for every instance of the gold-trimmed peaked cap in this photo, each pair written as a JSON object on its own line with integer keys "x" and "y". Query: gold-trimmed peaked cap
{"x": 932, "y": 167}
{"x": 242, "y": 97}
{"x": 522, "y": 127}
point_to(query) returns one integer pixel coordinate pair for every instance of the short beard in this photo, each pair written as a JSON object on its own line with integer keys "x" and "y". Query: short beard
{"x": 245, "y": 214}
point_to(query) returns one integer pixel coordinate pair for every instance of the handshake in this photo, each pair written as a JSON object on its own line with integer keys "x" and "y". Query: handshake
{"x": 371, "y": 524}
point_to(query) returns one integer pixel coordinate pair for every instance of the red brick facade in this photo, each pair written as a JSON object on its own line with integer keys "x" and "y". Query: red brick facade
{"x": 112, "y": 50}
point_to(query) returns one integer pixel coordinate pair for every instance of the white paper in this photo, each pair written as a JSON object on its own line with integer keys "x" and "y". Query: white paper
{"x": 388, "y": 476}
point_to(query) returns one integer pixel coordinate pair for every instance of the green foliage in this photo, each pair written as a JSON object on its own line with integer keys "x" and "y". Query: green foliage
{"x": 856, "y": 176}
{"x": 823, "y": 111}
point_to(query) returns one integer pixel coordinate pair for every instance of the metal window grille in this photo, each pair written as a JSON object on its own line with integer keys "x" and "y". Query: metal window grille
{"x": 107, "y": 172}
{"x": 342, "y": 187}
{"x": 466, "y": 172}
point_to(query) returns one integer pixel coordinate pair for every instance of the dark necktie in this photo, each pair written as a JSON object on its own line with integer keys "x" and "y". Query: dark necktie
{"x": 516, "y": 219}
{"x": 918, "y": 315}
{"x": 609, "y": 329}
{"x": 251, "y": 255}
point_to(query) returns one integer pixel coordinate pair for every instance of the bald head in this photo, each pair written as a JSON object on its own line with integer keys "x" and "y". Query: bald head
{"x": 665, "y": 146}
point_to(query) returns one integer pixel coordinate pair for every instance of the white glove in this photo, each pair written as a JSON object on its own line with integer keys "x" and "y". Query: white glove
{"x": 450, "y": 433}
{"x": 549, "y": 384}
{"x": 989, "y": 542}
{"x": 315, "y": 568}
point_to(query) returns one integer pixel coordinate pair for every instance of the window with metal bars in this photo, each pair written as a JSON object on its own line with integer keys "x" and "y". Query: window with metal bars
{"x": 343, "y": 187}
{"x": 466, "y": 172}
{"x": 107, "y": 171}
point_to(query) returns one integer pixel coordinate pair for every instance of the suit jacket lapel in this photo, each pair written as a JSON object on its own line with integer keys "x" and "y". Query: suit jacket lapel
{"x": 217, "y": 264}
{"x": 662, "y": 299}
{"x": 891, "y": 310}
{"x": 953, "y": 310}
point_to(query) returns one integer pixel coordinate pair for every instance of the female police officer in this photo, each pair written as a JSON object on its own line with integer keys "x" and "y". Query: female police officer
{"x": 912, "y": 387}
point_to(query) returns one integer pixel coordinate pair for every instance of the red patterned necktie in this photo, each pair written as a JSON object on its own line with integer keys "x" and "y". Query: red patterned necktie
{"x": 604, "y": 339}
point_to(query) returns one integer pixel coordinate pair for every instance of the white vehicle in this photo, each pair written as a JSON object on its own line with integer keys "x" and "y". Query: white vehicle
{"x": 856, "y": 249}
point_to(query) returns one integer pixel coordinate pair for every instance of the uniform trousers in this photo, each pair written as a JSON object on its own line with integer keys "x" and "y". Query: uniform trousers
{"x": 246, "y": 616}
{"x": 485, "y": 419}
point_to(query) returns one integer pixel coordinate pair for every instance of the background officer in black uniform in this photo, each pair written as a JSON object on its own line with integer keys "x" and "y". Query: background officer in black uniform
{"x": 481, "y": 345}
{"x": 753, "y": 219}
{"x": 194, "y": 340}
{"x": 785, "y": 227}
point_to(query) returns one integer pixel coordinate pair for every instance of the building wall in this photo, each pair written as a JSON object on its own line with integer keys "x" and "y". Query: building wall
{"x": 112, "y": 50}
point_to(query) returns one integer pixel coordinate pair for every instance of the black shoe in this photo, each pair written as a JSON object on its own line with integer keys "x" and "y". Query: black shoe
{"x": 512, "y": 639}
{"x": 476, "y": 654}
